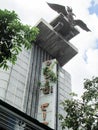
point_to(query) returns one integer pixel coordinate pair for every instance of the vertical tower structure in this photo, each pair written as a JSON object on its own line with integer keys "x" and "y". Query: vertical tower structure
{"x": 54, "y": 39}
{"x": 19, "y": 86}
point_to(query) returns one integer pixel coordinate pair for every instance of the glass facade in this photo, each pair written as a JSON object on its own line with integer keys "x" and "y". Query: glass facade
{"x": 13, "y": 81}
{"x": 64, "y": 90}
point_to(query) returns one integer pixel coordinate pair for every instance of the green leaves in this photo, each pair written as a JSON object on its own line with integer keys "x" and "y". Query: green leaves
{"x": 13, "y": 37}
{"x": 91, "y": 93}
{"x": 82, "y": 114}
{"x": 48, "y": 72}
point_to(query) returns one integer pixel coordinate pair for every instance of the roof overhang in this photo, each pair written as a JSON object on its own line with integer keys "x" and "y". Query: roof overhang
{"x": 54, "y": 43}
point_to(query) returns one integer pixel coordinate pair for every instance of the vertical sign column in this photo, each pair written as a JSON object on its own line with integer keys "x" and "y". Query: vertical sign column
{"x": 47, "y": 95}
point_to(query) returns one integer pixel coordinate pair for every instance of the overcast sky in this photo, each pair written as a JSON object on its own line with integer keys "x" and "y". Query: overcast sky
{"x": 85, "y": 63}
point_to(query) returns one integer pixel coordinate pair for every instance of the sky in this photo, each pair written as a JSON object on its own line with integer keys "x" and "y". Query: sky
{"x": 85, "y": 63}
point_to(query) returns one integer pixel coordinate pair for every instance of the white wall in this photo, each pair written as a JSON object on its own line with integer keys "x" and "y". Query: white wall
{"x": 48, "y": 98}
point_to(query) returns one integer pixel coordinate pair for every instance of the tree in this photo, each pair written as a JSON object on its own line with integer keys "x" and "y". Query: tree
{"x": 82, "y": 114}
{"x": 13, "y": 37}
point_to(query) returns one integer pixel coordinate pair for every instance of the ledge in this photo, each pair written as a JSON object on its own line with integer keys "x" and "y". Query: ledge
{"x": 54, "y": 42}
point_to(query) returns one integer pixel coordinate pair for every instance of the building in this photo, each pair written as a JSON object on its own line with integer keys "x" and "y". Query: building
{"x": 19, "y": 86}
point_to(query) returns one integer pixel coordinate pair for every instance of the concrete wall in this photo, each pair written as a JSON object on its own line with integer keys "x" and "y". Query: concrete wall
{"x": 38, "y": 55}
{"x": 47, "y": 115}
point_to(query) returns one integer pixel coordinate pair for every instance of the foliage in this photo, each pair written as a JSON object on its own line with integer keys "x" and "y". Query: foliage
{"x": 82, "y": 114}
{"x": 48, "y": 72}
{"x": 13, "y": 37}
{"x": 49, "y": 77}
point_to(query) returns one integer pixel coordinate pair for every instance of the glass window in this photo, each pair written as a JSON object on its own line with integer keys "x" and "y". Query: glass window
{"x": 18, "y": 101}
{"x": 24, "y": 65}
{"x": 61, "y": 79}
{"x": 22, "y": 78}
{"x": 2, "y": 92}
{"x": 19, "y": 93}
{"x": 21, "y": 86}
{"x": 3, "y": 84}
{"x": 10, "y": 96}
{"x": 12, "y": 88}
{"x": 15, "y": 74}
{"x": 16, "y": 67}
{"x": 13, "y": 81}
{"x": 61, "y": 74}
{"x": 4, "y": 76}
{"x": 23, "y": 71}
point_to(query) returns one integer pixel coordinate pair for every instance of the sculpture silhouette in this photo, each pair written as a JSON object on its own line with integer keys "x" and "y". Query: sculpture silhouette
{"x": 69, "y": 14}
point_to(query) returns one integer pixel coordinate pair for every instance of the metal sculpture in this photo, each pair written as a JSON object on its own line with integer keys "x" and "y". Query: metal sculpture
{"x": 68, "y": 12}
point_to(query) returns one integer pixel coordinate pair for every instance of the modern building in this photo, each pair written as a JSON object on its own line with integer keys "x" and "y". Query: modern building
{"x": 21, "y": 96}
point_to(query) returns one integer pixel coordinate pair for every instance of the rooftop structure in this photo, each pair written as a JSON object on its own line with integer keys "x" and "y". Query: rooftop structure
{"x": 54, "y": 38}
